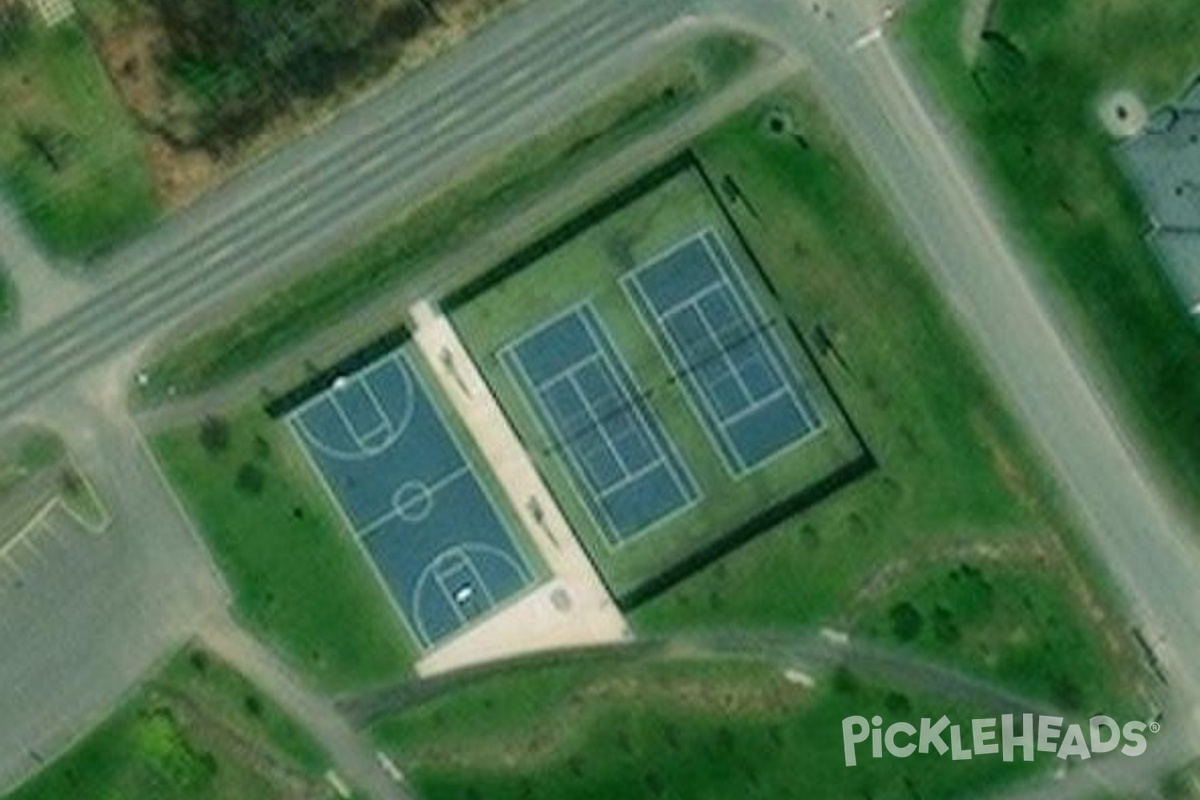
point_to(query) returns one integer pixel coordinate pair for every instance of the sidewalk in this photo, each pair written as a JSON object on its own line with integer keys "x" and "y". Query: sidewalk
{"x": 572, "y": 610}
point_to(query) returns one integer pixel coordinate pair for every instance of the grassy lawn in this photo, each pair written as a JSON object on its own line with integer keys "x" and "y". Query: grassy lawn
{"x": 70, "y": 158}
{"x": 590, "y": 268}
{"x": 687, "y": 729}
{"x": 412, "y": 243}
{"x": 298, "y": 578}
{"x": 1033, "y": 117}
{"x": 195, "y": 731}
{"x": 958, "y": 492}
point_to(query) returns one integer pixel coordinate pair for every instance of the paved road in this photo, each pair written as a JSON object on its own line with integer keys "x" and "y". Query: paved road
{"x": 935, "y": 193}
{"x": 308, "y": 200}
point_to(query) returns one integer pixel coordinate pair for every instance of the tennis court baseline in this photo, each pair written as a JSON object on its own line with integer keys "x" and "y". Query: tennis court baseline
{"x": 620, "y": 460}
{"x": 716, "y": 337}
{"x": 406, "y": 487}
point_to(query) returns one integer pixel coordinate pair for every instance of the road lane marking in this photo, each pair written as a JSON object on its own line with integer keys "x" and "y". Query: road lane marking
{"x": 514, "y": 78}
{"x": 294, "y": 210}
{"x": 372, "y": 165}
{"x": 449, "y": 119}
{"x": 868, "y": 38}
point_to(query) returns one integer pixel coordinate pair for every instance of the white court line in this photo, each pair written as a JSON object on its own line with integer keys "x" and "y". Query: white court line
{"x": 667, "y": 349}
{"x": 345, "y": 418}
{"x": 466, "y": 564}
{"x": 384, "y": 424}
{"x": 302, "y": 441}
{"x": 618, "y": 369}
{"x": 502, "y": 519}
{"x": 699, "y": 401}
{"x": 746, "y": 295}
{"x": 629, "y": 479}
{"x": 726, "y": 357}
{"x": 534, "y": 407}
{"x": 377, "y": 403}
{"x": 448, "y": 595}
{"x": 450, "y": 477}
{"x": 577, "y": 481}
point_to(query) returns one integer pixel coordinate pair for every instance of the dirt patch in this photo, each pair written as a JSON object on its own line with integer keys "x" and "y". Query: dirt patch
{"x": 883, "y": 581}
{"x": 1011, "y": 475}
{"x": 720, "y": 698}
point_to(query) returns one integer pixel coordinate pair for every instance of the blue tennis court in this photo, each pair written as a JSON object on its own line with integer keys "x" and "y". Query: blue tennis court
{"x": 715, "y": 336}
{"x": 621, "y": 461}
{"x": 434, "y": 536}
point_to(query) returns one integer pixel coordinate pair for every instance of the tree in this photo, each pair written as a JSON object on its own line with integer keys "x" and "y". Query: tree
{"x": 250, "y": 479}
{"x": 214, "y": 434}
{"x": 906, "y": 621}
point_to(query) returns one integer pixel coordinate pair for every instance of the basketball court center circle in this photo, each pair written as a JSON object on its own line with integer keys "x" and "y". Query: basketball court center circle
{"x": 413, "y": 501}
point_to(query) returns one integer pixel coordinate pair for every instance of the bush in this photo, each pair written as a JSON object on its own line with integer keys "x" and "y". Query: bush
{"x": 250, "y": 479}
{"x": 214, "y": 435}
{"x": 907, "y": 621}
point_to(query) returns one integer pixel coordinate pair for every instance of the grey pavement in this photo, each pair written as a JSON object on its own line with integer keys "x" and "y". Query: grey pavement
{"x": 991, "y": 283}
{"x": 43, "y": 292}
{"x": 91, "y": 613}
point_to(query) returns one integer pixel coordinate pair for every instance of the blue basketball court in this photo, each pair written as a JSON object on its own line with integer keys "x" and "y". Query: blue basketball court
{"x": 737, "y": 377}
{"x": 621, "y": 462}
{"x": 412, "y": 498}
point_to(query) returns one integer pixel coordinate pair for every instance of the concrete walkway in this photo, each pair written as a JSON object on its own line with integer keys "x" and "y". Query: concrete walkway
{"x": 572, "y": 610}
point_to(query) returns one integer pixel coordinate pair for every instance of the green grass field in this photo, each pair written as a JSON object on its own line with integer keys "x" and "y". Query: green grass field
{"x": 411, "y": 244}
{"x": 70, "y": 158}
{"x": 1038, "y": 134}
{"x": 298, "y": 578}
{"x": 689, "y": 729}
{"x": 958, "y": 486}
{"x": 589, "y": 268}
{"x": 195, "y": 731}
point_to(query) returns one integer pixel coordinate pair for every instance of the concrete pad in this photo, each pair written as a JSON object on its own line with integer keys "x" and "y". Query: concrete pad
{"x": 572, "y": 610}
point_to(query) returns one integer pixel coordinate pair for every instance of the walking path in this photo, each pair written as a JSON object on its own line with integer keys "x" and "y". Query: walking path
{"x": 354, "y": 759}
{"x": 572, "y": 610}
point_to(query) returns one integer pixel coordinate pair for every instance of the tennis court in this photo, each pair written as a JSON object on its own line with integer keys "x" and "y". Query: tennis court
{"x": 728, "y": 355}
{"x": 620, "y": 460}
{"x": 425, "y": 520}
